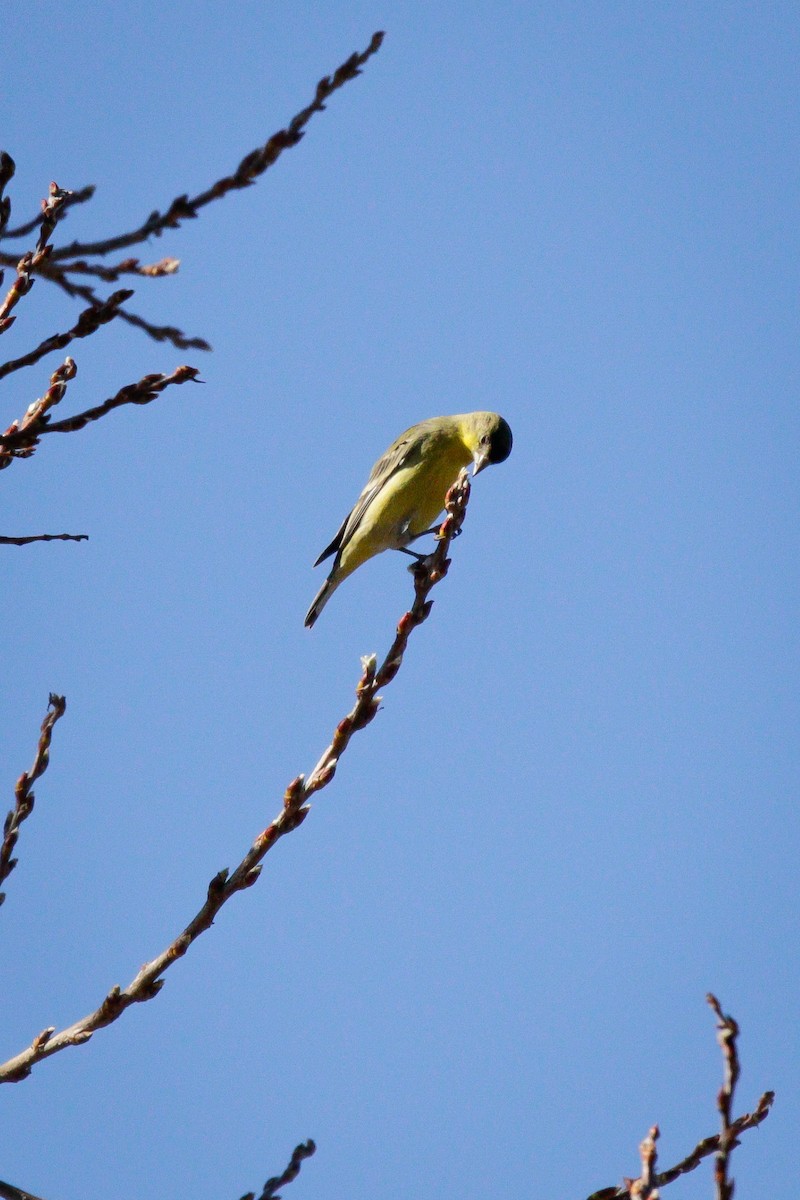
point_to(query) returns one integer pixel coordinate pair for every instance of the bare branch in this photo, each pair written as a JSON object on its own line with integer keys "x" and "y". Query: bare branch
{"x": 55, "y": 265}
{"x": 727, "y": 1033}
{"x": 718, "y": 1143}
{"x": 23, "y": 792}
{"x": 43, "y": 537}
{"x": 159, "y": 333}
{"x": 71, "y": 199}
{"x": 710, "y": 1144}
{"x": 128, "y": 266}
{"x": 148, "y": 982}
{"x": 9, "y": 1192}
{"x": 143, "y": 392}
{"x": 252, "y": 165}
{"x": 270, "y": 1189}
{"x": 36, "y": 415}
{"x": 644, "y": 1188}
{"x": 165, "y": 333}
{"x": 59, "y": 275}
{"x": 7, "y": 169}
{"x": 52, "y": 208}
{"x": 21, "y": 439}
{"x": 88, "y": 323}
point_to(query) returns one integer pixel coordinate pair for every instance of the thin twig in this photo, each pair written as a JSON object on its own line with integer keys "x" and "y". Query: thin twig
{"x": 727, "y": 1140}
{"x": 727, "y": 1033}
{"x": 270, "y": 1189}
{"x": 43, "y": 537}
{"x": 159, "y": 333}
{"x": 23, "y": 792}
{"x": 9, "y": 1192}
{"x": 147, "y": 388}
{"x": 55, "y": 265}
{"x": 20, "y": 440}
{"x": 165, "y": 333}
{"x": 128, "y": 266}
{"x": 88, "y": 323}
{"x": 644, "y": 1188}
{"x": 7, "y": 169}
{"x": 36, "y": 415}
{"x": 252, "y": 165}
{"x": 710, "y": 1144}
{"x": 52, "y": 209}
{"x": 73, "y": 198}
{"x": 148, "y": 982}
{"x": 702, "y": 1150}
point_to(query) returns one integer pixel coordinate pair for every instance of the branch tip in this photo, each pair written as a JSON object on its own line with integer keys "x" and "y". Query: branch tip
{"x": 23, "y": 792}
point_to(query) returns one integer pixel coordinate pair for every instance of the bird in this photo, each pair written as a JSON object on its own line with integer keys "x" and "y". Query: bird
{"x": 406, "y": 491}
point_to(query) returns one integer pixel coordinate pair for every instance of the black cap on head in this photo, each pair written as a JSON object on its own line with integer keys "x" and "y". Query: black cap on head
{"x": 500, "y": 442}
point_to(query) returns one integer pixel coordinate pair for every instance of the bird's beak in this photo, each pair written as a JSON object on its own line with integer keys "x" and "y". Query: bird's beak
{"x": 480, "y": 461}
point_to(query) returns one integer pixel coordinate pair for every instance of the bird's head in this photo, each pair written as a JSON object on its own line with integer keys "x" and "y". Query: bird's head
{"x": 493, "y": 440}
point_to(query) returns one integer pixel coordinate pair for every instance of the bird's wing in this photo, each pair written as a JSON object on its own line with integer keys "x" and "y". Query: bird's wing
{"x": 409, "y": 446}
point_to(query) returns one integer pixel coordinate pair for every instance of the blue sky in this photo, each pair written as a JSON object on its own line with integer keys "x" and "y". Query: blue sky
{"x": 481, "y": 963}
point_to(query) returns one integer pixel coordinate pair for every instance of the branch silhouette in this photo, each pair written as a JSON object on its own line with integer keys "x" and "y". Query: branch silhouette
{"x": 6, "y": 540}
{"x": 61, "y": 266}
{"x": 58, "y": 264}
{"x": 7, "y": 169}
{"x": 22, "y": 437}
{"x": 721, "y": 1144}
{"x": 270, "y": 1189}
{"x": 727, "y": 1033}
{"x": 269, "y": 1192}
{"x": 148, "y": 982}
{"x": 88, "y": 323}
{"x": 23, "y": 792}
{"x": 52, "y": 208}
{"x": 9, "y": 1192}
{"x": 159, "y": 333}
{"x": 252, "y": 165}
{"x": 70, "y": 201}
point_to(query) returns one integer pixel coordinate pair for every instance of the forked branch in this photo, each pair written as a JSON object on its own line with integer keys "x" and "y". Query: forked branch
{"x": 721, "y": 1144}
{"x": 88, "y": 323}
{"x": 52, "y": 208}
{"x": 252, "y": 165}
{"x": 60, "y": 265}
{"x": 22, "y": 437}
{"x": 70, "y": 201}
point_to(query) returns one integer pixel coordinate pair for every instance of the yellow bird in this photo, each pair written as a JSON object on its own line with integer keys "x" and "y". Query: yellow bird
{"x": 406, "y": 490}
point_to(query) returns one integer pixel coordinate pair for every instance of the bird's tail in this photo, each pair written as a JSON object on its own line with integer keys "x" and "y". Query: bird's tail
{"x": 320, "y": 600}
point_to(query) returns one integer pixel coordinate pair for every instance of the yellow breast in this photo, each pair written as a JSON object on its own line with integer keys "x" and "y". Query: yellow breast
{"x": 408, "y": 503}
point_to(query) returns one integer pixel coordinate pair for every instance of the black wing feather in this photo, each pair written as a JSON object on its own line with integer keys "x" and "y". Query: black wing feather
{"x": 335, "y": 544}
